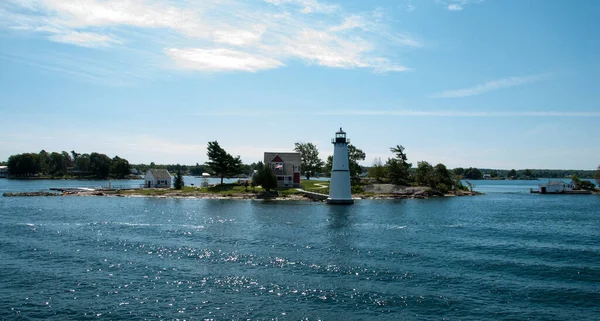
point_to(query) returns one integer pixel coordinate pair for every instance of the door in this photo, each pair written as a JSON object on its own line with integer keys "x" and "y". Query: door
{"x": 296, "y": 178}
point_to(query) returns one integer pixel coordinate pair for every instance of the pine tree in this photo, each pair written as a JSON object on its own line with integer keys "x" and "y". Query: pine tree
{"x": 179, "y": 179}
{"x": 222, "y": 163}
{"x": 265, "y": 178}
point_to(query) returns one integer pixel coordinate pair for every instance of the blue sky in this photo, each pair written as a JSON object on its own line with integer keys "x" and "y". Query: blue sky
{"x": 484, "y": 83}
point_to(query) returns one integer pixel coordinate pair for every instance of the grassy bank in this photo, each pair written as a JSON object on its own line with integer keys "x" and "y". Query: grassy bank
{"x": 226, "y": 190}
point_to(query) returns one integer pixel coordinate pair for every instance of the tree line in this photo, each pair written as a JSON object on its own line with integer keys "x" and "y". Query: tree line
{"x": 474, "y": 173}
{"x": 224, "y": 165}
{"x": 64, "y": 164}
{"x": 397, "y": 170}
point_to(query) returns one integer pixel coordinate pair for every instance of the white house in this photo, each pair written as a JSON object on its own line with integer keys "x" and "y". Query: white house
{"x": 555, "y": 187}
{"x": 3, "y": 171}
{"x": 285, "y": 166}
{"x": 156, "y": 178}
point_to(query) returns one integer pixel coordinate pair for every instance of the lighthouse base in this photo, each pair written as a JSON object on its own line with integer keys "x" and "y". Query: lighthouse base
{"x": 340, "y": 201}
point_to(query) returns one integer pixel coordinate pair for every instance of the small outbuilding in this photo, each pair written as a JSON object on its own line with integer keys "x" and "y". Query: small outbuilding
{"x": 555, "y": 187}
{"x": 157, "y": 178}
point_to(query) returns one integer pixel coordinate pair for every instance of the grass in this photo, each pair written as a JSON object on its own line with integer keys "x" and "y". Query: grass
{"x": 229, "y": 190}
{"x": 315, "y": 186}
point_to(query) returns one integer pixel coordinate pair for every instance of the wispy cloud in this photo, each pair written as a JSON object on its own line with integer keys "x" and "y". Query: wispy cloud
{"x": 105, "y": 73}
{"x": 306, "y": 6}
{"x": 489, "y": 86}
{"x": 350, "y": 23}
{"x": 454, "y": 7}
{"x": 220, "y": 60}
{"x": 84, "y": 39}
{"x": 216, "y": 35}
{"x": 457, "y": 5}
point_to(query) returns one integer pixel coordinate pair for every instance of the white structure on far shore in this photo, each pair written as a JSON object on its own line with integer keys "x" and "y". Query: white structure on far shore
{"x": 3, "y": 171}
{"x": 157, "y": 178}
{"x": 555, "y": 187}
{"x": 339, "y": 188}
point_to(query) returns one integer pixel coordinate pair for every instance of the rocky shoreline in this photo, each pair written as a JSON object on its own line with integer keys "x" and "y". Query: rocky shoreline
{"x": 376, "y": 191}
{"x": 31, "y": 194}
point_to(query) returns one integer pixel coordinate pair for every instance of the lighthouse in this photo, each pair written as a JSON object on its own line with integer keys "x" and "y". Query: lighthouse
{"x": 339, "y": 189}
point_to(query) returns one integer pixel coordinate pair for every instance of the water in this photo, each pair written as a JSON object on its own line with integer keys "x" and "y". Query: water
{"x": 507, "y": 255}
{"x": 37, "y": 185}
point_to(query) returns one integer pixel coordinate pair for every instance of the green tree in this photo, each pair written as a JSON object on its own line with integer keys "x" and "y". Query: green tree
{"x": 27, "y": 164}
{"x": 57, "y": 165}
{"x": 354, "y": 156}
{"x": 395, "y": 172}
{"x": 398, "y": 168}
{"x": 82, "y": 164}
{"x": 100, "y": 165}
{"x": 443, "y": 178}
{"x": 178, "y": 184}
{"x": 67, "y": 159}
{"x": 222, "y": 163}
{"x": 459, "y": 171}
{"x": 473, "y": 173}
{"x": 457, "y": 183}
{"x": 424, "y": 174}
{"x": 75, "y": 156}
{"x": 328, "y": 165}
{"x": 528, "y": 173}
{"x": 582, "y": 184}
{"x": 512, "y": 173}
{"x": 264, "y": 177}
{"x": 119, "y": 167}
{"x": 44, "y": 161}
{"x": 378, "y": 170}
{"x": 438, "y": 177}
{"x": 311, "y": 163}
{"x": 401, "y": 155}
{"x": 197, "y": 170}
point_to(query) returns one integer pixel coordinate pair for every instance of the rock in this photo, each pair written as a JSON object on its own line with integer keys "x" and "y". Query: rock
{"x": 30, "y": 194}
{"x": 268, "y": 195}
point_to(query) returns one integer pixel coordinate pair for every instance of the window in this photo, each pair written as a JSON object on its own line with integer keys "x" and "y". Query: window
{"x": 280, "y": 178}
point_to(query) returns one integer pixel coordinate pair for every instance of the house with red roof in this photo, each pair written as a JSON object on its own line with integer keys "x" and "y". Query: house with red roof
{"x": 285, "y": 166}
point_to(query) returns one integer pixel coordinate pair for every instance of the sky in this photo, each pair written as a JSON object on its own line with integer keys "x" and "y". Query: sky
{"x": 468, "y": 83}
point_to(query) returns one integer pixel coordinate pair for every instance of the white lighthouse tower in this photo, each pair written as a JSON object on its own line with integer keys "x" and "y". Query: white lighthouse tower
{"x": 339, "y": 189}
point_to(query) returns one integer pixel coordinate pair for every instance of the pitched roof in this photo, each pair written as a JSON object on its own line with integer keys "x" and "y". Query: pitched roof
{"x": 277, "y": 159}
{"x": 160, "y": 173}
{"x": 555, "y": 183}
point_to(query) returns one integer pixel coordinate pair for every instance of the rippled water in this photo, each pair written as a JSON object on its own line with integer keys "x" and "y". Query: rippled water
{"x": 508, "y": 255}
